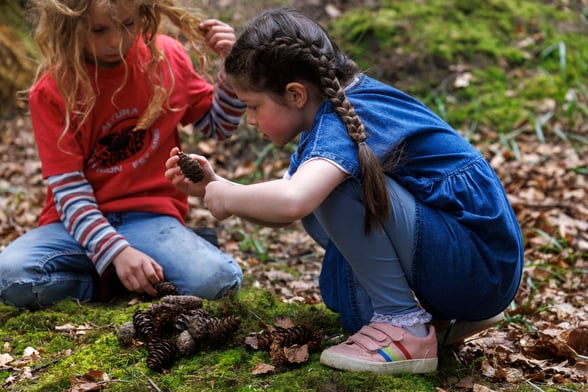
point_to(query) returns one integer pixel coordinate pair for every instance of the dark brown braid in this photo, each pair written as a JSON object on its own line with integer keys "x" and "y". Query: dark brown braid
{"x": 281, "y": 46}
{"x": 372, "y": 176}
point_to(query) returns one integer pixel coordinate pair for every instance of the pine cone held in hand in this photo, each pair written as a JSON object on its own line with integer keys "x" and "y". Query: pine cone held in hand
{"x": 190, "y": 167}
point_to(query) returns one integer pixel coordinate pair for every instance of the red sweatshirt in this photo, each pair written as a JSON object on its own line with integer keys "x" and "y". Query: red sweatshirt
{"x": 125, "y": 168}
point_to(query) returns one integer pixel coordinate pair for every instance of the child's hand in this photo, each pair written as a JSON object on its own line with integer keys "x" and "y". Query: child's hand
{"x": 220, "y": 37}
{"x": 175, "y": 176}
{"x": 137, "y": 271}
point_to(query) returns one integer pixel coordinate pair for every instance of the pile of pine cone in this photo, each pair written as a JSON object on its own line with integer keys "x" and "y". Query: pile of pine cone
{"x": 176, "y": 327}
{"x": 286, "y": 346}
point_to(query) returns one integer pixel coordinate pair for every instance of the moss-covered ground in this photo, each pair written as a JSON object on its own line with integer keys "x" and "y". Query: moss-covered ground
{"x": 515, "y": 55}
{"x": 230, "y": 367}
{"x": 91, "y": 346}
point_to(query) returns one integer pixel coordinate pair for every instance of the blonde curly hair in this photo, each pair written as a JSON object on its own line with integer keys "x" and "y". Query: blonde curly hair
{"x": 60, "y": 30}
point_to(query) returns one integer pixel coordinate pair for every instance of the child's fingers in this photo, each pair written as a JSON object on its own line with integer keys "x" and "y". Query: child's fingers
{"x": 222, "y": 45}
{"x": 172, "y": 161}
{"x": 220, "y": 36}
{"x": 207, "y": 24}
{"x": 174, "y": 151}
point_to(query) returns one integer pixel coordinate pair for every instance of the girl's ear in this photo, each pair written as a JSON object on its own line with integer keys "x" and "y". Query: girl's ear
{"x": 296, "y": 94}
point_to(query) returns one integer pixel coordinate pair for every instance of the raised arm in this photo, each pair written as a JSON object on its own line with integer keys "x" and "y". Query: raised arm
{"x": 224, "y": 117}
{"x": 277, "y": 202}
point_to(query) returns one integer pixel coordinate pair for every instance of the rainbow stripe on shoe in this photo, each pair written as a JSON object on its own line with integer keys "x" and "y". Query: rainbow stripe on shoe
{"x": 394, "y": 354}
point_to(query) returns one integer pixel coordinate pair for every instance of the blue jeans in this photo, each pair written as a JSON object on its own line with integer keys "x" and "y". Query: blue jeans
{"x": 46, "y": 264}
{"x": 361, "y": 275}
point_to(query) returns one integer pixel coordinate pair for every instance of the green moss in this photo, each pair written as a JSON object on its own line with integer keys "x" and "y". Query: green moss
{"x": 487, "y": 29}
{"x": 4, "y": 374}
{"x": 224, "y": 368}
{"x": 520, "y": 52}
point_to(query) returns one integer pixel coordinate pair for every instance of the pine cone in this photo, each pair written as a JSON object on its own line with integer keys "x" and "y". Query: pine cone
{"x": 165, "y": 288}
{"x": 126, "y": 333}
{"x": 263, "y": 341}
{"x": 143, "y": 323}
{"x": 222, "y": 328}
{"x": 160, "y": 353}
{"x": 186, "y": 302}
{"x": 286, "y": 337}
{"x": 190, "y": 167}
{"x": 210, "y": 330}
{"x": 163, "y": 317}
{"x": 314, "y": 344}
{"x": 298, "y": 334}
{"x": 280, "y": 339}
{"x": 277, "y": 354}
{"x": 185, "y": 344}
{"x": 184, "y": 320}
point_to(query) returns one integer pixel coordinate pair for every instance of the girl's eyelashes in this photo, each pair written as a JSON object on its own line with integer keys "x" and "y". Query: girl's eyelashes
{"x": 126, "y": 25}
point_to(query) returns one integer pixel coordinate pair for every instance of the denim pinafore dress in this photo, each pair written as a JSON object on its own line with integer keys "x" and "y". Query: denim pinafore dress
{"x": 468, "y": 247}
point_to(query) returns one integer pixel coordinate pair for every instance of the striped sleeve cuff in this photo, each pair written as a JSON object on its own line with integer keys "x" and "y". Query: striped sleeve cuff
{"x": 79, "y": 213}
{"x": 225, "y": 115}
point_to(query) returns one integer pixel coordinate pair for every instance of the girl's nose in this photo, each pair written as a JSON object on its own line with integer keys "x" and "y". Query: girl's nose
{"x": 114, "y": 39}
{"x": 251, "y": 120}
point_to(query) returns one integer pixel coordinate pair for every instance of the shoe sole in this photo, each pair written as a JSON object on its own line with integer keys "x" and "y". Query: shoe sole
{"x": 460, "y": 330}
{"x": 413, "y": 366}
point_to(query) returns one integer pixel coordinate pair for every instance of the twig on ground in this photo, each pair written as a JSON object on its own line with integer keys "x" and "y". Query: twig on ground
{"x": 153, "y": 385}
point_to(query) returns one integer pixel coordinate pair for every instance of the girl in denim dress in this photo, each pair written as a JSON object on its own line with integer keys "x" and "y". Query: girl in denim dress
{"x": 415, "y": 222}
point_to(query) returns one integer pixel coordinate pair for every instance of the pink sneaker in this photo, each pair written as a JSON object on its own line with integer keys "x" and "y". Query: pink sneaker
{"x": 384, "y": 349}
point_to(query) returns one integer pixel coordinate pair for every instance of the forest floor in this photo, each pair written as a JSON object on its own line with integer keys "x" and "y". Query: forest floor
{"x": 544, "y": 338}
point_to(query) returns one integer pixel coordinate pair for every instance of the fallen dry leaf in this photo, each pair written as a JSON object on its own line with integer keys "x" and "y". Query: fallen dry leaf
{"x": 5, "y": 359}
{"x": 91, "y": 381}
{"x": 296, "y": 353}
{"x": 577, "y": 339}
{"x": 263, "y": 368}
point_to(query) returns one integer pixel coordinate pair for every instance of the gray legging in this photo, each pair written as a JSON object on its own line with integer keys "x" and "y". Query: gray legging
{"x": 381, "y": 263}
